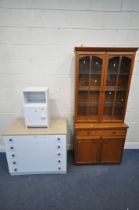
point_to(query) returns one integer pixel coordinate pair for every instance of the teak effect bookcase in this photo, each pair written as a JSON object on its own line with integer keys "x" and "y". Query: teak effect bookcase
{"x": 102, "y": 82}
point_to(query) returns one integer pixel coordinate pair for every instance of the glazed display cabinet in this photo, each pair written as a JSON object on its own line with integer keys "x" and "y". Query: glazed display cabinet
{"x": 102, "y": 82}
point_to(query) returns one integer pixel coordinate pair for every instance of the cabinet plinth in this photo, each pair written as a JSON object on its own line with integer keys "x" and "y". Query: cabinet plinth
{"x": 102, "y": 82}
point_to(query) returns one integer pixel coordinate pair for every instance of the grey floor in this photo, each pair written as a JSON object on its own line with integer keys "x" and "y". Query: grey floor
{"x": 93, "y": 187}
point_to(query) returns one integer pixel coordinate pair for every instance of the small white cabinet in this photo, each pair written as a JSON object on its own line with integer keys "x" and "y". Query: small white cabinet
{"x": 36, "y": 107}
{"x": 36, "y": 150}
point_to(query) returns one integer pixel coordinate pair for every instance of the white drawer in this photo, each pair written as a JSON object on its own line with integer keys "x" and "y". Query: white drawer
{"x": 36, "y": 154}
{"x": 34, "y": 139}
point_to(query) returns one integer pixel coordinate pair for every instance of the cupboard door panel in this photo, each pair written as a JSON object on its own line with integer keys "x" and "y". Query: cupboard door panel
{"x": 83, "y": 85}
{"x": 87, "y": 151}
{"x": 111, "y": 151}
{"x": 89, "y": 87}
{"x": 122, "y": 87}
{"x": 116, "y": 86}
{"x": 95, "y": 86}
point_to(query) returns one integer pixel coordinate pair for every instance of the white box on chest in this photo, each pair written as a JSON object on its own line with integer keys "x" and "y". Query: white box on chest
{"x": 36, "y": 107}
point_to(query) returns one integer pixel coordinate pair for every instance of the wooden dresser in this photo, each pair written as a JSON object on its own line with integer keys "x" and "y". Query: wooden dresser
{"x": 102, "y": 82}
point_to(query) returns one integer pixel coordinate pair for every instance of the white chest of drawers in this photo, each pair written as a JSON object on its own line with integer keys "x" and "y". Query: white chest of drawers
{"x": 36, "y": 150}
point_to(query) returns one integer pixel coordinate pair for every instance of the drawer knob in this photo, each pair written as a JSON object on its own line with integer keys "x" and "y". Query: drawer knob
{"x": 13, "y": 155}
{"x": 88, "y": 132}
{"x": 59, "y": 154}
{"x": 58, "y": 147}
{"x": 59, "y": 168}
{"x": 14, "y": 162}
{"x": 59, "y": 161}
{"x": 58, "y": 139}
{"x": 10, "y": 140}
{"x": 11, "y": 147}
{"x": 15, "y": 169}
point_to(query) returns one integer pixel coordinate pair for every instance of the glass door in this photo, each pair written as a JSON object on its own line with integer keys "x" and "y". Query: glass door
{"x": 122, "y": 88}
{"x": 83, "y": 86}
{"x": 89, "y": 87}
{"x": 95, "y": 86}
{"x": 116, "y": 87}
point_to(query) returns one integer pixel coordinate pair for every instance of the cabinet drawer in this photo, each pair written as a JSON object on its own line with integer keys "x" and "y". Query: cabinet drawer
{"x": 82, "y": 133}
{"x": 113, "y": 133}
{"x": 101, "y": 132}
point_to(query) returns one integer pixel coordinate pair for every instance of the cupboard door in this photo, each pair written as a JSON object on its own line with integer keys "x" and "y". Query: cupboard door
{"x": 95, "y": 87}
{"x": 122, "y": 87}
{"x": 87, "y": 151}
{"x": 89, "y": 86}
{"x": 116, "y": 87}
{"x": 111, "y": 150}
{"x": 83, "y": 85}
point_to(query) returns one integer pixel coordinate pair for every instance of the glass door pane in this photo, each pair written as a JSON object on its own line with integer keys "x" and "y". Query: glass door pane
{"x": 83, "y": 86}
{"x": 116, "y": 87}
{"x": 122, "y": 85}
{"x": 119, "y": 105}
{"x": 95, "y": 87}
{"x": 111, "y": 82}
{"x": 124, "y": 74}
{"x": 93, "y": 105}
{"x": 108, "y": 105}
{"x": 112, "y": 73}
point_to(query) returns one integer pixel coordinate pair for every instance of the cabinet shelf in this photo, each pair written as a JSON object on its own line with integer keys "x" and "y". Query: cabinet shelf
{"x": 110, "y": 104}
{"x": 122, "y": 74}
{"x": 84, "y": 103}
{"x": 95, "y": 88}
{"x": 87, "y": 88}
{"x": 113, "y": 88}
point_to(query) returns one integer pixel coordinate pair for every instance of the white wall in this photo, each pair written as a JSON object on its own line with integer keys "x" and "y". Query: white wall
{"x": 37, "y": 40}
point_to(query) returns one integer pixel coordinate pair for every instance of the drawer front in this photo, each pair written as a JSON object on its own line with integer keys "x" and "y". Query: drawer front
{"x": 29, "y": 139}
{"x": 36, "y": 154}
{"x": 82, "y": 133}
{"x": 113, "y": 132}
{"x": 101, "y": 133}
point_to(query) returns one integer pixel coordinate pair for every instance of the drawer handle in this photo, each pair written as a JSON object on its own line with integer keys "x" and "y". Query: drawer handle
{"x": 59, "y": 161}
{"x": 15, "y": 169}
{"x": 13, "y": 155}
{"x": 10, "y": 140}
{"x": 11, "y": 147}
{"x": 59, "y": 154}
{"x": 14, "y": 162}
{"x": 58, "y": 147}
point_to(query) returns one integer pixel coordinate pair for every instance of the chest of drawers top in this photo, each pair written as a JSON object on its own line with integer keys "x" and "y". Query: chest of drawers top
{"x": 58, "y": 126}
